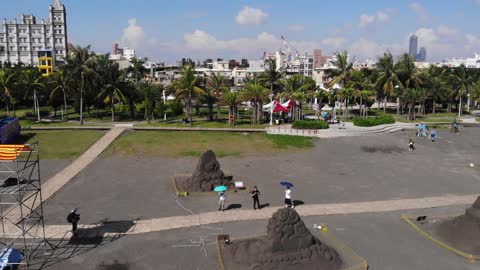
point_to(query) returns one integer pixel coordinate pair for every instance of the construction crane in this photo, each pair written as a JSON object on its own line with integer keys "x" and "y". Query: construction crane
{"x": 288, "y": 46}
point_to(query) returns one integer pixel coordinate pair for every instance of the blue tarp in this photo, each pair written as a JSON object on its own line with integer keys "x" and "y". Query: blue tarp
{"x": 10, "y": 256}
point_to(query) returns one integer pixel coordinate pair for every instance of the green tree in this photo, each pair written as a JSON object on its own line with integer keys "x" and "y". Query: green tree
{"x": 341, "y": 75}
{"x": 7, "y": 82}
{"x": 137, "y": 69}
{"x": 62, "y": 81}
{"x": 271, "y": 76}
{"x": 410, "y": 97}
{"x": 79, "y": 64}
{"x": 461, "y": 81}
{"x": 112, "y": 81}
{"x": 232, "y": 100}
{"x": 214, "y": 88}
{"x": 32, "y": 81}
{"x": 255, "y": 93}
{"x": 361, "y": 84}
{"x": 388, "y": 79}
{"x": 186, "y": 87}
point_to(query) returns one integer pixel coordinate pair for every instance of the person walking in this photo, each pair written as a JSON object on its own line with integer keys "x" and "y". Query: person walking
{"x": 288, "y": 198}
{"x": 221, "y": 200}
{"x": 433, "y": 134}
{"x": 73, "y": 218}
{"x": 255, "y": 196}
{"x": 411, "y": 143}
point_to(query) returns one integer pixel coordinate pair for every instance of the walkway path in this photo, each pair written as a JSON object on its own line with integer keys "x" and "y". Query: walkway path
{"x": 176, "y": 222}
{"x": 340, "y": 130}
{"x": 63, "y": 177}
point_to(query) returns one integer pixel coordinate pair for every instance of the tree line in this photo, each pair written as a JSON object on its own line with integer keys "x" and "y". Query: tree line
{"x": 90, "y": 81}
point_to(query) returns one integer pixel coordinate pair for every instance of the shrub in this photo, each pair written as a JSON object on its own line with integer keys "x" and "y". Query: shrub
{"x": 375, "y": 121}
{"x": 309, "y": 124}
{"x": 176, "y": 107}
{"x": 43, "y": 112}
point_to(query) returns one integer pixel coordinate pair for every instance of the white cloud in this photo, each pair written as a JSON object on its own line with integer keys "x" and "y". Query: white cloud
{"x": 382, "y": 16}
{"x": 371, "y": 20}
{"x": 334, "y": 42}
{"x": 202, "y": 41}
{"x": 296, "y": 28}
{"x": 473, "y": 43}
{"x": 366, "y": 20}
{"x": 446, "y": 31}
{"x": 132, "y": 34}
{"x": 253, "y": 16}
{"x": 366, "y": 49}
{"x": 420, "y": 11}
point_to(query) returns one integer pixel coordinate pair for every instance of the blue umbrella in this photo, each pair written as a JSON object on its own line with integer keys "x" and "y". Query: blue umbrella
{"x": 220, "y": 188}
{"x": 286, "y": 184}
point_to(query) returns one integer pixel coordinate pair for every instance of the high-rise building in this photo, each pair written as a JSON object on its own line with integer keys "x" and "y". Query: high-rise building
{"x": 21, "y": 41}
{"x": 412, "y": 48}
{"x": 422, "y": 55}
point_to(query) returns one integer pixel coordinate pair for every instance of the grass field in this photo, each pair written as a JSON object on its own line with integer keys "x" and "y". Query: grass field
{"x": 63, "y": 144}
{"x": 189, "y": 143}
{"x": 477, "y": 119}
{"x": 206, "y": 124}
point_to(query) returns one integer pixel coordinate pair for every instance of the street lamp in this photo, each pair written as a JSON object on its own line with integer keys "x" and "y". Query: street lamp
{"x": 468, "y": 102}
{"x": 271, "y": 109}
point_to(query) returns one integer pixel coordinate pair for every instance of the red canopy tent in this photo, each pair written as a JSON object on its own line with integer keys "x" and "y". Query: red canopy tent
{"x": 277, "y": 107}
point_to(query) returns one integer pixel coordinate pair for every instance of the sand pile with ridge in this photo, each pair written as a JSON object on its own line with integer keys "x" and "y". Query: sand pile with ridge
{"x": 462, "y": 232}
{"x": 207, "y": 175}
{"x": 288, "y": 245}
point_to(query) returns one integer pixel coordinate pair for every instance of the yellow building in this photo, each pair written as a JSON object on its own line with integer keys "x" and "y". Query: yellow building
{"x": 46, "y": 62}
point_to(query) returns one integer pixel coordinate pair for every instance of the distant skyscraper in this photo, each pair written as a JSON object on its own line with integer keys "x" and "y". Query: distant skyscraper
{"x": 413, "y": 44}
{"x": 422, "y": 55}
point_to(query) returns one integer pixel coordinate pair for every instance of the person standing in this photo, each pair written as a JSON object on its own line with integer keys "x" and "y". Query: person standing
{"x": 255, "y": 196}
{"x": 433, "y": 134}
{"x": 411, "y": 143}
{"x": 73, "y": 218}
{"x": 221, "y": 200}
{"x": 288, "y": 198}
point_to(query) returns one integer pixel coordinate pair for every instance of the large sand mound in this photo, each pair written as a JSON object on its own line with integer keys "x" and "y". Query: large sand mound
{"x": 288, "y": 245}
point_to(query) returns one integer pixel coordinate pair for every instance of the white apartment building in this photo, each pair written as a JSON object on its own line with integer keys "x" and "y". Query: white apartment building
{"x": 255, "y": 67}
{"x": 473, "y": 62}
{"x": 21, "y": 41}
{"x": 119, "y": 54}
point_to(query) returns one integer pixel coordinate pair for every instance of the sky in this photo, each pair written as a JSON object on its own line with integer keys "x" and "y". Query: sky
{"x": 166, "y": 31}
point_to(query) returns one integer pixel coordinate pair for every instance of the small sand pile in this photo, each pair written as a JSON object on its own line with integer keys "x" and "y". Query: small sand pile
{"x": 462, "y": 232}
{"x": 207, "y": 175}
{"x": 288, "y": 245}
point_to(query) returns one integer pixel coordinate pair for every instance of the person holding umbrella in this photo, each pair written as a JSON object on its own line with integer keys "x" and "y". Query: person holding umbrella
{"x": 288, "y": 194}
{"x": 222, "y": 195}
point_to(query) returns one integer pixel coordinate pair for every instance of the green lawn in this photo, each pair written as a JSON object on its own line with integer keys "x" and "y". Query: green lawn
{"x": 192, "y": 143}
{"x": 63, "y": 144}
{"x": 30, "y": 123}
{"x": 477, "y": 119}
{"x": 205, "y": 124}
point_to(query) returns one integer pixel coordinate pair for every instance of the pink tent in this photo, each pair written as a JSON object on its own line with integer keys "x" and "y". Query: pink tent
{"x": 288, "y": 104}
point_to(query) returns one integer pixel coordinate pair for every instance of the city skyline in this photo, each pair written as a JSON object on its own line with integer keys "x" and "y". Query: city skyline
{"x": 168, "y": 31}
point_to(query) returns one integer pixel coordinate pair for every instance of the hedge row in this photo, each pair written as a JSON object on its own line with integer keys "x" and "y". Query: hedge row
{"x": 306, "y": 124}
{"x": 369, "y": 122}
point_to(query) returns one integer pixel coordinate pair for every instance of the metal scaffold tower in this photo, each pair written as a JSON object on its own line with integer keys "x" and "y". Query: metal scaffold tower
{"x": 21, "y": 204}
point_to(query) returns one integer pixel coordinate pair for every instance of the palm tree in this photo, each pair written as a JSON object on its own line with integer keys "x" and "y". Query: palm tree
{"x": 137, "y": 69}
{"x": 410, "y": 97}
{"x": 271, "y": 76}
{"x": 148, "y": 99}
{"x": 186, "y": 87}
{"x": 113, "y": 83}
{"x": 255, "y": 93}
{"x": 461, "y": 80}
{"x": 215, "y": 88}
{"x": 408, "y": 74}
{"x": 320, "y": 95}
{"x": 361, "y": 83}
{"x": 62, "y": 81}
{"x": 342, "y": 73}
{"x": 80, "y": 64}
{"x": 231, "y": 99}
{"x": 388, "y": 79}
{"x": 365, "y": 96}
{"x": 7, "y": 81}
{"x": 31, "y": 80}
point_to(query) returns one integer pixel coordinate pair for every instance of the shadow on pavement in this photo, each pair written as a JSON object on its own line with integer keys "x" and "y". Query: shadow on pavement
{"x": 102, "y": 233}
{"x": 233, "y": 206}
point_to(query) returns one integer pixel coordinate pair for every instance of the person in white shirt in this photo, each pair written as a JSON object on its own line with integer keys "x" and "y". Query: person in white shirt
{"x": 221, "y": 201}
{"x": 288, "y": 198}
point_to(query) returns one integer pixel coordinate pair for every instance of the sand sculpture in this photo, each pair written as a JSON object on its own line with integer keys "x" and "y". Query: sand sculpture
{"x": 207, "y": 174}
{"x": 287, "y": 245}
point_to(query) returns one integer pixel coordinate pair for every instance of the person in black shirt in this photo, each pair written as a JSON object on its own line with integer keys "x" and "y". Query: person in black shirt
{"x": 73, "y": 218}
{"x": 255, "y": 195}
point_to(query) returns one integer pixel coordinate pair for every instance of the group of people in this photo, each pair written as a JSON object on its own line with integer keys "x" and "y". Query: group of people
{"x": 255, "y": 194}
